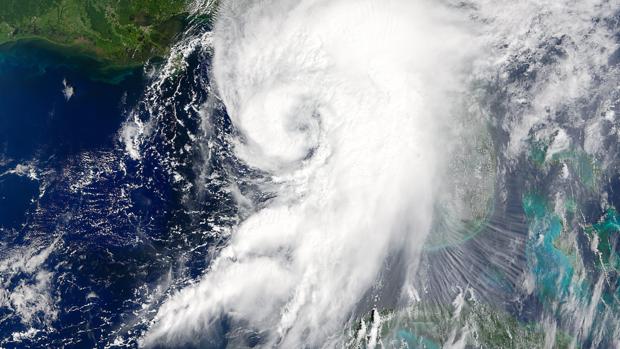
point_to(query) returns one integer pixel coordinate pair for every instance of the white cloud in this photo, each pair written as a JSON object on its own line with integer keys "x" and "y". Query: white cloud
{"x": 68, "y": 91}
{"x": 26, "y": 285}
{"x": 342, "y": 102}
{"x": 349, "y": 106}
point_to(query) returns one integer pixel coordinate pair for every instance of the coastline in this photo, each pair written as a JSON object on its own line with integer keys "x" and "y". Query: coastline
{"x": 32, "y": 49}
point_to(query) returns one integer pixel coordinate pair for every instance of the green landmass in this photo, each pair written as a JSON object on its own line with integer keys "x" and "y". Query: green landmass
{"x": 478, "y": 325}
{"x": 121, "y": 32}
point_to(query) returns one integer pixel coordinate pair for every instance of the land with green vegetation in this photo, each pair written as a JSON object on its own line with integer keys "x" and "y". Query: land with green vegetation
{"x": 433, "y": 326}
{"x": 120, "y": 32}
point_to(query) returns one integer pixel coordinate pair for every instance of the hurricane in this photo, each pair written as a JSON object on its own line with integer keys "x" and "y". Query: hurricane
{"x": 375, "y": 124}
{"x": 340, "y": 103}
{"x": 351, "y": 174}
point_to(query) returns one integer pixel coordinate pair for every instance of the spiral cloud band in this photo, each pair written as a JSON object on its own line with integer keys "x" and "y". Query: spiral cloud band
{"x": 341, "y": 103}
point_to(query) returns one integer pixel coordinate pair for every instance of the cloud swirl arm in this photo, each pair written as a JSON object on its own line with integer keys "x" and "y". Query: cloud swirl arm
{"x": 341, "y": 103}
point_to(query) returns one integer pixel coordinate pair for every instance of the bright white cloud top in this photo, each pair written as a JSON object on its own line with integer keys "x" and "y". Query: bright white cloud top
{"x": 341, "y": 102}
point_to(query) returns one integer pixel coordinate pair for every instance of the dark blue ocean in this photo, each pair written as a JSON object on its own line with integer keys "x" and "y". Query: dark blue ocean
{"x": 37, "y": 122}
{"x": 89, "y": 235}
